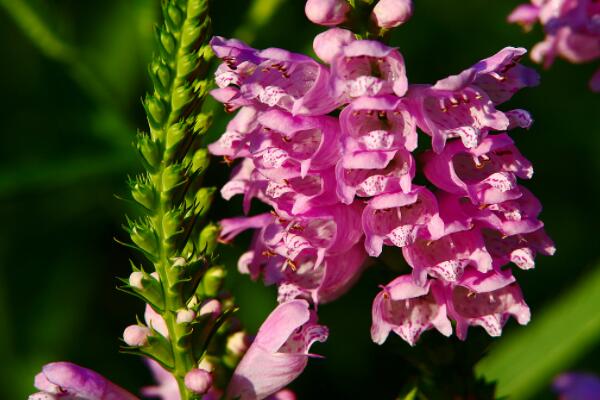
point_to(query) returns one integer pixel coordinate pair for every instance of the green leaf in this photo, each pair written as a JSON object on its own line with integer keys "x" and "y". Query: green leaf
{"x": 525, "y": 361}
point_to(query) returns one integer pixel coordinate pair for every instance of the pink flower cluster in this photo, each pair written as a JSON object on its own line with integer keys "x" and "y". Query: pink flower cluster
{"x": 572, "y": 31}
{"x": 341, "y": 186}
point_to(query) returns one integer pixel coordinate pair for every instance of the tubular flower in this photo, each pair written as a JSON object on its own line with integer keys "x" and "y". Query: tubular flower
{"x": 279, "y": 352}
{"x": 409, "y": 310}
{"x": 571, "y": 27}
{"x": 341, "y": 185}
{"x": 69, "y": 381}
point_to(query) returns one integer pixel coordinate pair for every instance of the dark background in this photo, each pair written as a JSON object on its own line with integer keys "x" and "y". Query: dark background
{"x": 69, "y": 110}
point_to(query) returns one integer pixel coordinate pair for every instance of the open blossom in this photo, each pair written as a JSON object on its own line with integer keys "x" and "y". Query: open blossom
{"x": 486, "y": 173}
{"x": 464, "y": 105}
{"x": 69, "y": 381}
{"x": 341, "y": 187}
{"x": 368, "y": 68}
{"x": 279, "y": 352}
{"x": 398, "y": 219}
{"x": 486, "y": 300}
{"x": 572, "y": 30}
{"x": 409, "y": 310}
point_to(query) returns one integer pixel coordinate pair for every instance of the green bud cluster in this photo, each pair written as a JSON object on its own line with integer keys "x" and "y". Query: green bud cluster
{"x": 172, "y": 234}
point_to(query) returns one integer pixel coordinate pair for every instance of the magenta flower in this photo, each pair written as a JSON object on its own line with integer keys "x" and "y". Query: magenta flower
{"x": 279, "y": 352}
{"x": 486, "y": 173}
{"x": 367, "y": 68}
{"x": 234, "y": 142}
{"x": 398, "y": 219}
{"x": 571, "y": 27}
{"x": 486, "y": 300}
{"x": 447, "y": 257}
{"x": 409, "y": 310}
{"x": 463, "y": 105}
{"x": 577, "y": 386}
{"x": 69, "y": 381}
{"x": 289, "y": 146}
{"x": 166, "y": 388}
{"x": 270, "y": 78}
{"x": 519, "y": 249}
{"x": 396, "y": 176}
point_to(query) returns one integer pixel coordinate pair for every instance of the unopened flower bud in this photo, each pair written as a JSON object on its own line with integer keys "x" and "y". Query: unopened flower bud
{"x": 213, "y": 280}
{"x": 135, "y": 335}
{"x": 206, "y": 365}
{"x": 135, "y": 280}
{"x": 198, "y": 380}
{"x": 326, "y": 12}
{"x": 155, "y": 276}
{"x": 210, "y": 307}
{"x": 179, "y": 262}
{"x": 156, "y": 321}
{"x": 391, "y": 13}
{"x": 238, "y": 343}
{"x": 284, "y": 394}
{"x": 329, "y": 43}
{"x": 185, "y": 316}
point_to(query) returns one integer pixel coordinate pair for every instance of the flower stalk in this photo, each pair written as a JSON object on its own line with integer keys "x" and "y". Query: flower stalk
{"x": 172, "y": 196}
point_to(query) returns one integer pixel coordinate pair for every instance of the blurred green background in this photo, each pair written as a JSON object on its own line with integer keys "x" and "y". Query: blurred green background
{"x": 71, "y": 77}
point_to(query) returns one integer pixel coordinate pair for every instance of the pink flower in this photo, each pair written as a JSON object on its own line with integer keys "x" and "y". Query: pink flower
{"x": 327, "y": 12}
{"x": 463, "y": 105}
{"x": 167, "y": 387}
{"x": 367, "y": 68}
{"x": 396, "y": 176}
{"x": 519, "y": 249}
{"x": 66, "y": 380}
{"x": 289, "y": 146}
{"x": 485, "y": 173}
{"x": 279, "y": 352}
{"x": 265, "y": 79}
{"x": 391, "y": 13}
{"x": 400, "y": 218}
{"x": 447, "y": 257}
{"x": 571, "y": 26}
{"x": 234, "y": 142}
{"x": 486, "y": 300}
{"x": 409, "y": 310}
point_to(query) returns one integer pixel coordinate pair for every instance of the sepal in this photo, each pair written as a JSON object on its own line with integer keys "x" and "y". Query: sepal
{"x": 143, "y": 192}
{"x": 156, "y": 111}
{"x": 143, "y": 235}
{"x": 149, "y": 151}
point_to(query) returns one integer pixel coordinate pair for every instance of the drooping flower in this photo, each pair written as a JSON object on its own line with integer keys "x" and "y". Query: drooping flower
{"x": 446, "y": 258}
{"x": 399, "y": 219}
{"x": 367, "y": 68}
{"x": 464, "y": 105}
{"x": 69, "y": 381}
{"x": 279, "y": 352}
{"x": 485, "y": 300}
{"x": 486, "y": 173}
{"x": 409, "y": 310}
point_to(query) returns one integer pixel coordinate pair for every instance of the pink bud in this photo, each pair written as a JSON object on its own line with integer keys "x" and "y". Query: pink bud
{"x": 391, "y": 13}
{"x": 212, "y": 307}
{"x": 135, "y": 335}
{"x": 329, "y": 43}
{"x": 155, "y": 276}
{"x": 135, "y": 280}
{"x": 283, "y": 394}
{"x": 156, "y": 321}
{"x": 185, "y": 316}
{"x": 327, "y": 12}
{"x": 198, "y": 380}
